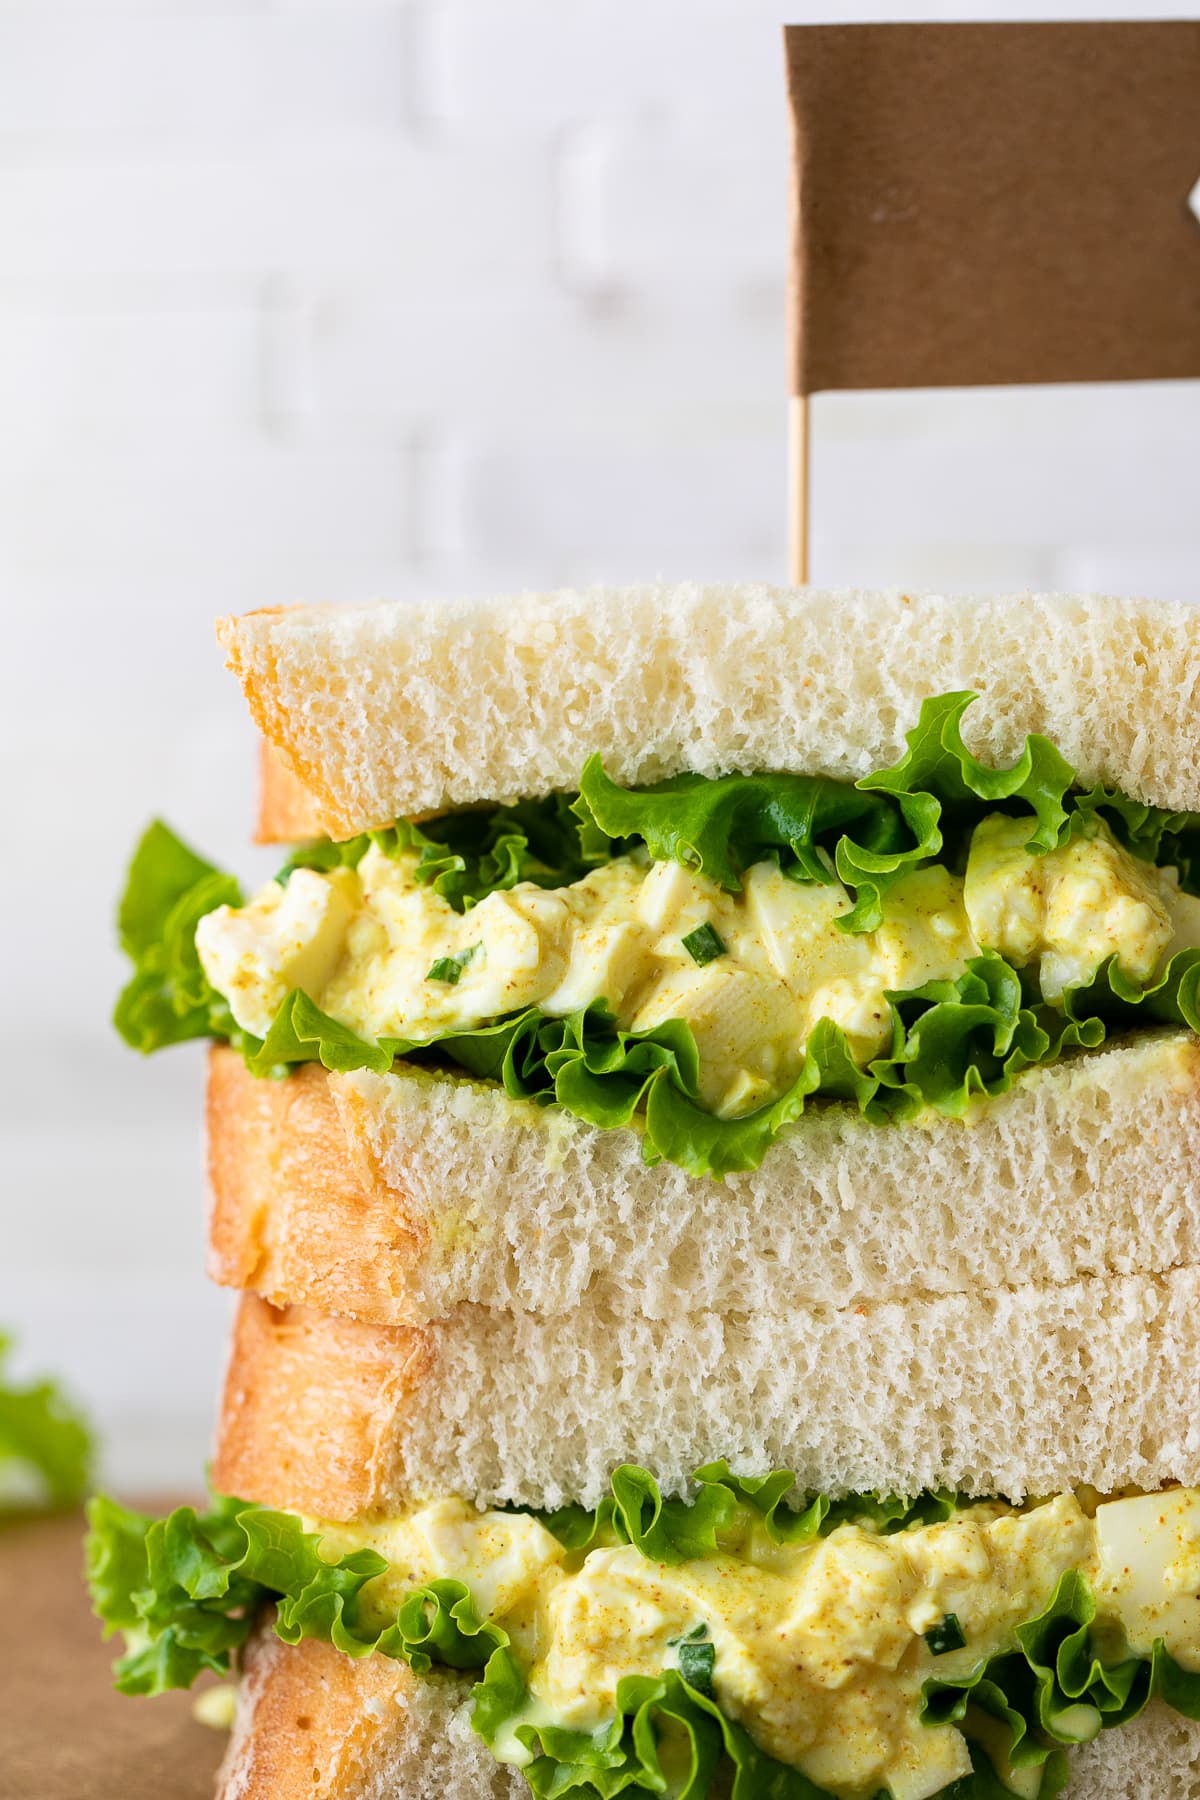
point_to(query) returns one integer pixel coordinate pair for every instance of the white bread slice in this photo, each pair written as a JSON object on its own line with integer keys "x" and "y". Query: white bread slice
{"x": 1010, "y": 1391}
{"x": 391, "y": 711}
{"x": 1155, "y": 1757}
{"x": 314, "y": 1725}
{"x": 396, "y": 1197}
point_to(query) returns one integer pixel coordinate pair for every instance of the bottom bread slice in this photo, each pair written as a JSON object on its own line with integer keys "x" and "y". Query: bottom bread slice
{"x": 312, "y": 1723}
{"x": 1007, "y": 1391}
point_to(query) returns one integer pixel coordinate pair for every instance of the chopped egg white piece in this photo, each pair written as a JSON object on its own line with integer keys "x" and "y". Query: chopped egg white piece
{"x": 1150, "y": 1570}
{"x": 818, "y": 1648}
{"x": 292, "y": 935}
{"x": 388, "y": 957}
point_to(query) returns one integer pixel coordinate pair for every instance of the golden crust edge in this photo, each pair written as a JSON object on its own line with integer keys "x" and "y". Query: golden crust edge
{"x": 300, "y": 797}
{"x": 300, "y": 1213}
{"x": 329, "y": 1450}
{"x": 310, "y": 1720}
{"x": 287, "y": 812}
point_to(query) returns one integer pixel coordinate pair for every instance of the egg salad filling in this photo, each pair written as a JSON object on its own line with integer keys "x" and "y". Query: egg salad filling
{"x": 750, "y": 972}
{"x": 877, "y": 1649}
{"x": 702, "y": 958}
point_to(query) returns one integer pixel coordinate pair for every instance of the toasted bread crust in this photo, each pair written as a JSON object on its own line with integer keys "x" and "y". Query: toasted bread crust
{"x": 313, "y": 1409}
{"x": 292, "y": 792}
{"x": 311, "y": 1722}
{"x": 287, "y": 812}
{"x": 298, "y": 1213}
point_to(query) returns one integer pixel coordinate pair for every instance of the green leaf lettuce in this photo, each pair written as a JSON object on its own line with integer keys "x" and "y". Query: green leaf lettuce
{"x": 45, "y": 1445}
{"x": 168, "y": 998}
{"x": 466, "y": 856}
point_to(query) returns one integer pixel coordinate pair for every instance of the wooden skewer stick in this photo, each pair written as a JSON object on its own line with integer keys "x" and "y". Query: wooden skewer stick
{"x": 798, "y": 478}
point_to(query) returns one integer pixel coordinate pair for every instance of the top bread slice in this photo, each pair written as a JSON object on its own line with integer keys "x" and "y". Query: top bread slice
{"x": 391, "y": 711}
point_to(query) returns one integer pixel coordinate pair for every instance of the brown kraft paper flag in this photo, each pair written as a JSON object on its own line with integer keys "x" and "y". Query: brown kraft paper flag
{"x": 981, "y": 204}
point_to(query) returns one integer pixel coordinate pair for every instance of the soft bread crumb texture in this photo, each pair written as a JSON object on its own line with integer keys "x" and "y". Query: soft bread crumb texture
{"x": 1089, "y": 1167}
{"x": 316, "y": 1725}
{"x": 1013, "y": 1391}
{"x": 390, "y": 710}
{"x": 313, "y": 1724}
{"x": 1155, "y": 1757}
{"x": 396, "y": 1197}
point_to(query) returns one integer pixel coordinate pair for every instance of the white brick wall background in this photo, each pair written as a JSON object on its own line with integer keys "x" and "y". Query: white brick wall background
{"x": 304, "y": 301}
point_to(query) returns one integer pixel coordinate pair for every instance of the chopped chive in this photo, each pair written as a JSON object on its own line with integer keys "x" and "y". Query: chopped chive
{"x": 449, "y": 968}
{"x": 696, "y": 1657}
{"x": 946, "y": 1636}
{"x": 703, "y": 945}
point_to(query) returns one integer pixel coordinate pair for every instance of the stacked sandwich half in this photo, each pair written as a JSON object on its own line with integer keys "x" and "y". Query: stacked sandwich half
{"x": 706, "y": 1125}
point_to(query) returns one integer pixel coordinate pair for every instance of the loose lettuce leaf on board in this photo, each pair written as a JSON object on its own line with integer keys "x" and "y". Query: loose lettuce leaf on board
{"x": 46, "y": 1446}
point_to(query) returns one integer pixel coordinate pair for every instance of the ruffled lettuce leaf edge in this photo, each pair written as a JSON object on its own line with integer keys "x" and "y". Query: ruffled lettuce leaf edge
{"x": 187, "y": 1589}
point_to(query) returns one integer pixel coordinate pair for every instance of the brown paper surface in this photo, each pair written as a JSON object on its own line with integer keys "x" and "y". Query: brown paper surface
{"x": 64, "y": 1733}
{"x": 979, "y": 204}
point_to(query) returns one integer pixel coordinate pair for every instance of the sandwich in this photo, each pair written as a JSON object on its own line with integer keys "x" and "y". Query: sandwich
{"x": 499, "y": 977}
{"x": 704, "y": 1123}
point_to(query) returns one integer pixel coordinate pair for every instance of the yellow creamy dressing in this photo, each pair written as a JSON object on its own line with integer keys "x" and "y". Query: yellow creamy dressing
{"x": 362, "y": 942}
{"x": 818, "y": 1648}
